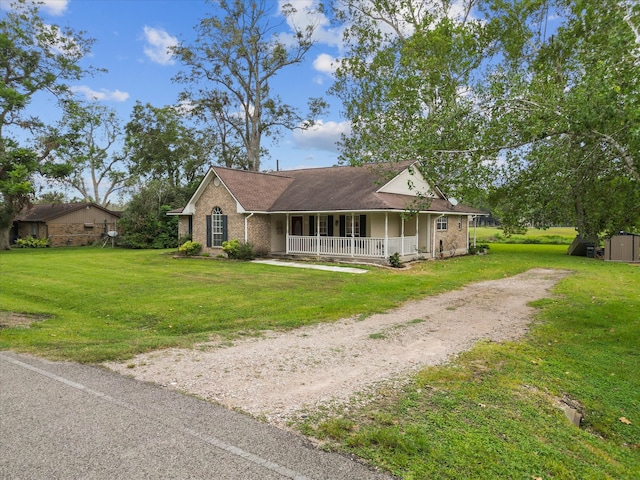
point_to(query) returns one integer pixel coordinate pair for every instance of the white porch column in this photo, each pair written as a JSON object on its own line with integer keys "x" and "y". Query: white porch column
{"x": 475, "y": 226}
{"x": 402, "y": 234}
{"x": 428, "y": 239}
{"x": 417, "y": 233}
{"x": 386, "y": 234}
{"x": 286, "y": 237}
{"x": 318, "y": 234}
{"x": 353, "y": 238}
{"x": 433, "y": 223}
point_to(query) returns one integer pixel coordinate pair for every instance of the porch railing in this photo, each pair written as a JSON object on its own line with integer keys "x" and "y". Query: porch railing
{"x": 371, "y": 247}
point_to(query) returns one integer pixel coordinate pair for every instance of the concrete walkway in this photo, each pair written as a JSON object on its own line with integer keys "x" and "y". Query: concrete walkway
{"x": 281, "y": 263}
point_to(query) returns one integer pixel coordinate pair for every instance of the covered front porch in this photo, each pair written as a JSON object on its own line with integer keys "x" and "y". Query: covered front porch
{"x": 369, "y": 247}
{"x": 357, "y": 235}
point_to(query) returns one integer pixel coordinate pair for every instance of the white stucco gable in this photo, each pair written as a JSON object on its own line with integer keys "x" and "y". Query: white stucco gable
{"x": 409, "y": 182}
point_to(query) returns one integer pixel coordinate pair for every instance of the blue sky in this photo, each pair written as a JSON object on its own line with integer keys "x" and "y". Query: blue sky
{"x": 132, "y": 37}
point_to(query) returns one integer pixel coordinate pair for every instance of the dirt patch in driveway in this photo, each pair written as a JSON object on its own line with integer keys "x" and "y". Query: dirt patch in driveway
{"x": 279, "y": 375}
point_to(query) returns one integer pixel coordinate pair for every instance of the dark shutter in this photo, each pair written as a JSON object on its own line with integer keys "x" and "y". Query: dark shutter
{"x": 343, "y": 226}
{"x": 312, "y": 226}
{"x": 330, "y": 225}
{"x": 208, "y": 230}
{"x": 363, "y": 225}
{"x": 225, "y": 233}
{"x": 190, "y": 225}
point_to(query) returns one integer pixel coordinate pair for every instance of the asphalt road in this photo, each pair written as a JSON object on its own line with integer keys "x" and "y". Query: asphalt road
{"x": 67, "y": 421}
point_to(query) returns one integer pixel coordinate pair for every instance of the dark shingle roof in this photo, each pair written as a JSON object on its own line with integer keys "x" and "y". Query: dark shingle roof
{"x": 338, "y": 188}
{"x": 46, "y": 212}
{"x": 254, "y": 190}
{"x": 342, "y": 188}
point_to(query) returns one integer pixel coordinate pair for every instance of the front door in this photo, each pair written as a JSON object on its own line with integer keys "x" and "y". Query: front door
{"x": 296, "y": 226}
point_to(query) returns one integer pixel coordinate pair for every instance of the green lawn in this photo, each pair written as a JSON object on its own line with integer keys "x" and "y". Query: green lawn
{"x": 553, "y": 236}
{"x": 489, "y": 414}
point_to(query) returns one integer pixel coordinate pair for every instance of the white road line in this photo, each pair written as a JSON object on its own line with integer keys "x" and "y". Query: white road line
{"x": 216, "y": 442}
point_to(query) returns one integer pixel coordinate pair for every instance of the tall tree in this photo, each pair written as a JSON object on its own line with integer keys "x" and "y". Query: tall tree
{"x": 34, "y": 57}
{"x": 571, "y": 97}
{"x": 230, "y": 67}
{"x": 405, "y": 85}
{"x": 160, "y": 145}
{"x": 94, "y": 131}
{"x": 496, "y": 84}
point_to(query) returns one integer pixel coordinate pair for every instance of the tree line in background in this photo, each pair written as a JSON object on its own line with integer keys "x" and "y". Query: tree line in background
{"x": 157, "y": 158}
{"x": 528, "y": 109}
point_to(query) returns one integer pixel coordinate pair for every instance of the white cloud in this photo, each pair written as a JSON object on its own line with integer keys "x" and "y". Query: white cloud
{"x": 52, "y": 7}
{"x": 322, "y": 136}
{"x": 63, "y": 44}
{"x": 100, "y": 95}
{"x": 158, "y": 44}
{"x": 326, "y": 66}
{"x": 307, "y": 13}
{"x": 325, "y": 63}
{"x": 55, "y": 7}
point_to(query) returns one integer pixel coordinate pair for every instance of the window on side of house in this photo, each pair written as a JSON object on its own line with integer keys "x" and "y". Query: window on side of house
{"x": 459, "y": 223}
{"x": 442, "y": 223}
{"x": 217, "y": 227}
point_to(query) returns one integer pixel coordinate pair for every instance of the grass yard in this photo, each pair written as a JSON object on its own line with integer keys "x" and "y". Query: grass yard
{"x": 553, "y": 236}
{"x": 491, "y": 413}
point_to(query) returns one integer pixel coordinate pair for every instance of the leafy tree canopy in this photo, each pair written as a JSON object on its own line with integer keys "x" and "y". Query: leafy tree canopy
{"x": 160, "y": 145}
{"x": 92, "y": 133}
{"x": 145, "y": 223}
{"x": 34, "y": 57}
{"x": 491, "y": 93}
{"x": 229, "y": 69}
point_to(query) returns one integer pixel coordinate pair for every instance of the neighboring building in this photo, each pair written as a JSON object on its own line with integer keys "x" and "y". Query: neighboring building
{"x": 368, "y": 212}
{"x": 65, "y": 224}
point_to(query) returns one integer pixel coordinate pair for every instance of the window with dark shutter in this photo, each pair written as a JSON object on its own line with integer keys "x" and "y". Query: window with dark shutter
{"x": 312, "y": 226}
{"x": 225, "y": 229}
{"x": 208, "y": 219}
{"x": 363, "y": 225}
{"x": 218, "y": 227}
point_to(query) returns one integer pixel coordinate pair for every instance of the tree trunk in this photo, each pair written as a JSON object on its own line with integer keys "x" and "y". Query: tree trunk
{"x": 5, "y": 241}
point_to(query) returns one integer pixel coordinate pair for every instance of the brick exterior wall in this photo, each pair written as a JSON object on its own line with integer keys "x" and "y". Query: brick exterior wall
{"x": 453, "y": 239}
{"x": 259, "y": 228}
{"x": 74, "y": 234}
{"x": 183, "y": 227}
{"x": 263, "y": 234}
{"x": 258, "y": 225}
{"x": 65, "y": 232}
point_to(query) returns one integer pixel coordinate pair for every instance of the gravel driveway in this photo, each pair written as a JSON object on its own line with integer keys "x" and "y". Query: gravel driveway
{"x": 279, "y": 375}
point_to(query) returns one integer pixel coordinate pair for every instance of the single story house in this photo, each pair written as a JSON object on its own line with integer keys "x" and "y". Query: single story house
{"x": 339, "y": 213}
{"x": 65, "y": 224}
